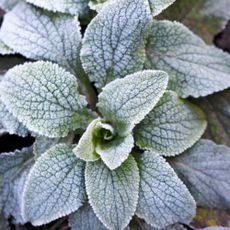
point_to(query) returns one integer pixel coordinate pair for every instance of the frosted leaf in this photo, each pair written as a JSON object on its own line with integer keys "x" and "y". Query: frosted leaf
{"x": 8, "y": 5}
{"x": 42, "y": 35}
{"x": 205, "y": 170}
{"x": 14, "y": 168}
{"x": 173, "y": 126}
{"x": 163, "y": 198}
{"x": 85, "y": 148}
{"x": 114, "y": 41}
{"x": 85, "y": 219}
{"x": 64, "y": 6}
{"x": 45, "y": 98}
{"x": 125, "y": 102}
{"x": 4, "y": 49}
{"x": 115, "y": 152}
{"x": 113, "y": 194}
{"x": 4, "y": 223}
{"x": 10, "y": 123}
{"x": 195, "y": 69}
{"x": 55, "y": 186}
{"x": 157, "y": 6}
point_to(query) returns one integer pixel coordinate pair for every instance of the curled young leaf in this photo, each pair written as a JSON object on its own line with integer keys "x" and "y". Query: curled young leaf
{"x": 163, "y": 198}
{"x": 171, "y": 127}
{"x": 42, "y": 35}
{"x": 114, "y": 41}
{"x": 205, "y": 169}
{"x": 157, "y": 6}
{"x": 113, "y": 194}
{"x": 55, "y": 186}
{"x": 194, "y": 68}
{"x": 45, "y": 98}
{"x": 125, "y": 102}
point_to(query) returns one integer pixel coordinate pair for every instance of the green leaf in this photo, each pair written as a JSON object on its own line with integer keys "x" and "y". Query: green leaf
{"x": 10, "y": 123}
{"x": 157, "y": 6}
{"x": 114, "y": 41}
{"x": 55, "y": 186}
{"x": 44, "y": 97}
{"x": 205, "y": 170}
{"x": 113, "y": 194}
{"x": 42, "y": 35}
{"x": 85, "y": 219}
{"x": 173, "y": 126}
{"x": 4, "y": 49}
{"x": 125, "y": 102}
{"x": 8, "y": 5}
{"x": 85, "y": 149}
{"x": 195, "y": 69}
{"x": 163, "y": 198}
{"x": 115, "y": 152}
{"x": 65, "y": 6}
{"x": 14, "y": 169}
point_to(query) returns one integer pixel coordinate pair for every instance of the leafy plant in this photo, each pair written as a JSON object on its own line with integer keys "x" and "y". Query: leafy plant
{"x": 106, "y": 153}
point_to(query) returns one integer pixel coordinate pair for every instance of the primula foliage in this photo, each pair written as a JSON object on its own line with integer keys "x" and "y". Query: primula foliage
{"x": 105, "y": 109}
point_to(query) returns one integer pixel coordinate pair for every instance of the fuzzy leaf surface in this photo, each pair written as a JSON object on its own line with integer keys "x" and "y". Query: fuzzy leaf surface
{"x": 205, "y": 170}
{"x": 64, "y": 6}
{"x": 10, "y": 123}
{"x": 157, "y": 6}
{"x": 42, "y": 35}
{"x": 44, "y": 97}
{"x": 163, "y": 198}
{"x": 114, "y": 41}
{"x": 85, "y": 219}
{"x": 55, "y": 186}
{"x": 125, "y": 102}
{"x": 4, "y": 49}
{"x": 195, "y": 69}
{"x": 113, "y": 194}
{"x": 8, "y": 5}
{"x": 14, "y": 169}
{"x": 171, "y": 127}
{"x": 116, "y": 152}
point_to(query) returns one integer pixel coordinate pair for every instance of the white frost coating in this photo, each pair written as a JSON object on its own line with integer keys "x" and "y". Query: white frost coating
{"x": 157, "y": 6}
{"x": 85, "y": 219}
{"x": 205, "y": 169}
{"x": 55, "y": 186}
{"x": 113, "y": 194}
{"x": 4, "y": 49}
{"x": 8, "y": 5}
{"x": 125, "y": 102}
{"x": 85, "y": 148}
{"x": 10, "y": 123}
{"x": 65, "y": 6}
{"x": 163, "y": 198}
{"x": 195, "y": 69}
{"x": 44, "y": 97}
{"x": 40, "y": 35}
{"x": 173, "y": 126}
{"x": 114, "y": 41}
{"x": 116, "y": 152}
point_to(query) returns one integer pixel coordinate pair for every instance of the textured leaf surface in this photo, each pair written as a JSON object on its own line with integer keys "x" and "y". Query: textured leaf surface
{"x": 157, "y": 6}
{"x": 113, "y": 194}
{"x": 163, "y": 198}
{"x": 10, "y": 123}
{"x": 85, "y": 219}
{"x": 85, "y": 148}
{"x": 4, "y": 49}
{"x": 64, "y": 6}
{"x": 55, "y": 186}
{"x": 205, "y": 170}
{"x": 14, "y": 168}
{"x": 116, "y": 152}
{"x": 194, "y": 68}
{"x": 44, "y": 97}
{"x": 4, "y": 223}
{"x": 42, "y": 35}
{"x": 114, "y": 41}
{"x": 8, "y": 4}
{"x": 125, "y": 102}
{"x": 173, "y": 126}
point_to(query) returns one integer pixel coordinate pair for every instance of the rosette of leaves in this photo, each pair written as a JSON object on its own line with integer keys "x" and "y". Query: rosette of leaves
{"x": 102, "y": 167}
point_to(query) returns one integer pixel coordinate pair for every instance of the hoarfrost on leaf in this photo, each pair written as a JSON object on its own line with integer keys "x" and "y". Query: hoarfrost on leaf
{"x": 8, "y": 5}
{"x": 194, "y": 68}
{"x": 55, "y": 186}
{"x": 163, "y": 198}
{"x": 157, "y": 6}
{"x": 4, "y": 49}
{"x": 45, "y": 98}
